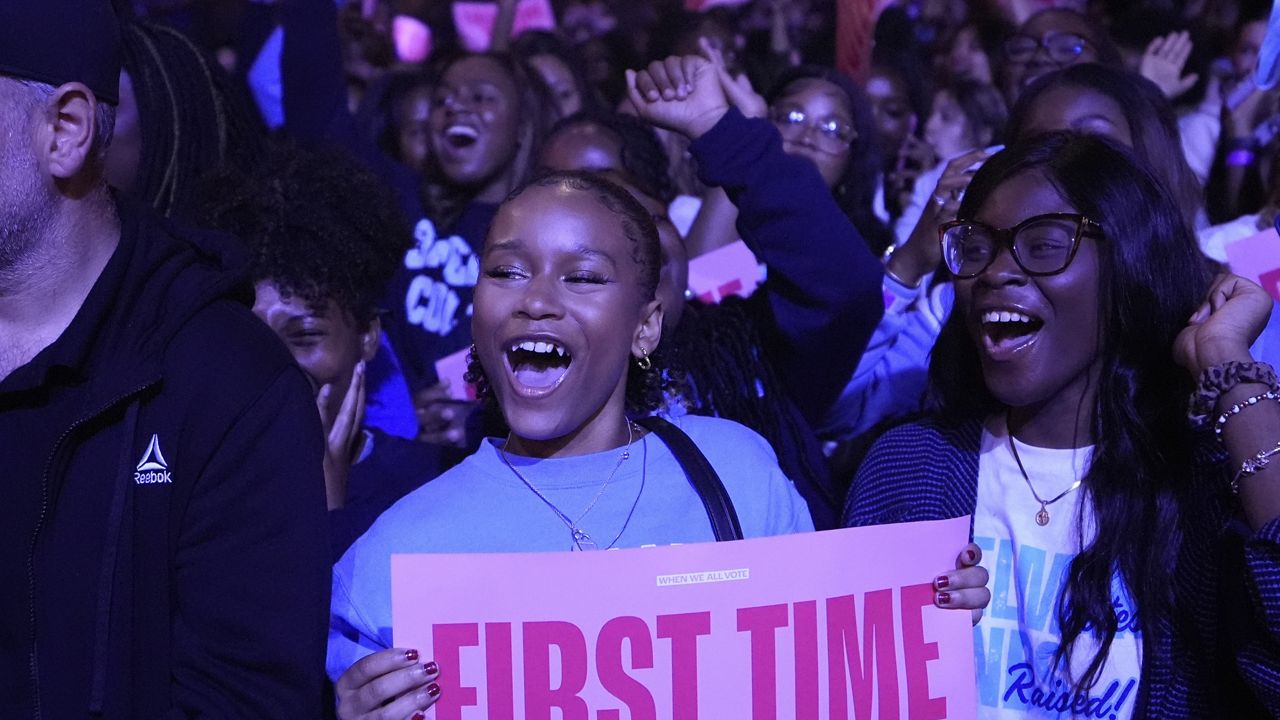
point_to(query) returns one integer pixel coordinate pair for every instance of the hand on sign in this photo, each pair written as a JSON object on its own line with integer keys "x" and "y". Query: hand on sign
{"x": 679, "y": 93}
{"x": 1224, "y": 327}
{"x": 388, "y": 685}
{"x": 964, "y": 588}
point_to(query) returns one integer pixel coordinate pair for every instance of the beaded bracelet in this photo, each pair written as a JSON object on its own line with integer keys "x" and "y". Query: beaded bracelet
{"x": 1240, "y": 407}
{"x": 1216, "y": 380}
{"x": 1251, "y": 466}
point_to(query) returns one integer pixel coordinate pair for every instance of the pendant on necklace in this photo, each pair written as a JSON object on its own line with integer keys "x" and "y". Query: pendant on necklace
{"x": 1042, "y": 517}
{"x": 582, "y": 541}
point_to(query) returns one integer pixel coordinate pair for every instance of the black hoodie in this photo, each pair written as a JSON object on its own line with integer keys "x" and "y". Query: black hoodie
{"x": 164, "y": 460}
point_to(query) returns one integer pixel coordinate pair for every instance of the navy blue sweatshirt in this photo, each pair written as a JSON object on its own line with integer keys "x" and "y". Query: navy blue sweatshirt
{"x": 166, "y": 554}
{"x": 813, "y": 316}
{"x": 315, "y": 95}
{"x": 823, "y": 291}
{"x": 430, "y": 296}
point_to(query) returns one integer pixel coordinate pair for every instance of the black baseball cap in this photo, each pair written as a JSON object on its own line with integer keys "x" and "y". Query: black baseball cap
{"x": 61, "y": 41}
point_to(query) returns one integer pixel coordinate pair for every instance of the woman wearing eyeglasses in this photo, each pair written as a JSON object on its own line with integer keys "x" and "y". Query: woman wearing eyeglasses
{"x": 1051, "y": 40}
{"x": 1127, "y": 578}
{"x": 825, "y": 118}
{"x": 775, "y": 360}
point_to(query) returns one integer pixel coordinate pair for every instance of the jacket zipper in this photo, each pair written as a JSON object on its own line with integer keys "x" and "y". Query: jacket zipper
{"x": 34, "y": 663}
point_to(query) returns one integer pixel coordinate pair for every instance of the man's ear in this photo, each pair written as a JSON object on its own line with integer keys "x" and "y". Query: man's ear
{"x": 69, "y": 130}
{"x": 370, "y": 339}
{"x": 649, "y": 331}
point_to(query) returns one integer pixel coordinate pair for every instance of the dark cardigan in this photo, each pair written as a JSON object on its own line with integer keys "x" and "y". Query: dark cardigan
{"x": 1219, "y": 657}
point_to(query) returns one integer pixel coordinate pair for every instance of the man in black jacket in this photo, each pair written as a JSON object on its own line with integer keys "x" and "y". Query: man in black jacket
{"x": 163, "y": 548}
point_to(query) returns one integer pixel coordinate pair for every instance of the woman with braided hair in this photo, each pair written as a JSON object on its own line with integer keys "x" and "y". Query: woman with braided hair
{"x": 180, "y": 116}
{"x": 714, "y": 355}
{"x": 565, "y": 325}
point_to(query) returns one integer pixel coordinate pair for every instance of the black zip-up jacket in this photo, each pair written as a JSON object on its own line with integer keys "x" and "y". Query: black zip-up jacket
{"x": 175, "y": 555}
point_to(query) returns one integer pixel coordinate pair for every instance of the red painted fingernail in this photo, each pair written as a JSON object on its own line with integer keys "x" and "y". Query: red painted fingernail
{"x": 430, "y": 668}
{"x": 433, "y": 690}
{"x": 411, "y": 656}
{"x": 944, "y": 598}
{"x": 971, "y": 555}
{"x": 942, "y": 582}
{"x": 418, "y": 716}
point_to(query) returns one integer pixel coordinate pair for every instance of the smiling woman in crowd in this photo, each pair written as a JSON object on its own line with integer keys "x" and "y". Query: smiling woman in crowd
{"x": 566, "y": 320}
{"x": 1062, "y": 430}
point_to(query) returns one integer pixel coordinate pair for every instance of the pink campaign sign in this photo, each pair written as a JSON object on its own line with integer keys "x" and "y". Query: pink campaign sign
{"x": 704, "y": 5}
{"x": 729, "y": 270}
{"x": 454, "y": 369}
{"x": 816, "y": 626}
{"x": 1257, "y": 257}
{"x": 475, "y": 20}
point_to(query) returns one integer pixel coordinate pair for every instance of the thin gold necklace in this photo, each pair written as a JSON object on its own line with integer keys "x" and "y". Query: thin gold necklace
{"x": 1042, "y": 517}
{"x": 581, "y": 539}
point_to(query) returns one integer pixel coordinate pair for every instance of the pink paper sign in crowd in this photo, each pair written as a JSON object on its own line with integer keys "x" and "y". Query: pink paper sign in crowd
{"x": 754, "y": 629}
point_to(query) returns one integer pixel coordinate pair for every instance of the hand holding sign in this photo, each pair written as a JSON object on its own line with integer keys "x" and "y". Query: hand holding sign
{"x": 388, "y": 685}
{"x": 755, "y": 628}
{"x": 966, "y": 587}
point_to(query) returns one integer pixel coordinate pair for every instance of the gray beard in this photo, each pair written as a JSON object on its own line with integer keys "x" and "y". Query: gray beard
{"x": 26, "y": 215}
{"x": 20, "y": 239}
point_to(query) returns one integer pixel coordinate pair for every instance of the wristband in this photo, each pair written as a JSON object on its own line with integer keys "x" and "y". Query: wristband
{"x": 1240, "y": 158}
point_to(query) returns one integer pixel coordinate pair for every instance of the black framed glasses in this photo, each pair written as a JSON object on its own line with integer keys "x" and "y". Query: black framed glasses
{"x": 1040, "y": 245}
{"x": 833, "y": 135}
{"x": 1062, "y": 47}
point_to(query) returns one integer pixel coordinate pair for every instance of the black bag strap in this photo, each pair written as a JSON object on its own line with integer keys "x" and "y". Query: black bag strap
{"x": 703, "y": 477}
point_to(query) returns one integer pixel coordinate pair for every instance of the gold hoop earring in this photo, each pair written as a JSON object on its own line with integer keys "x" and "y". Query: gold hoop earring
{"x": 643, "y": 362}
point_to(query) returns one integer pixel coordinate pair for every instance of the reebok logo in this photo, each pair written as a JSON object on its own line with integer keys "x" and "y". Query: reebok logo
{"x": 152, "y": 468}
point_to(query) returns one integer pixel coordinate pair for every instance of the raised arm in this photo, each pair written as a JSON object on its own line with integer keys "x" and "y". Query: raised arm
{"x": 823, "y": 292}
{"x": 1240, "y": 397}
{"x": 311, "y": 70}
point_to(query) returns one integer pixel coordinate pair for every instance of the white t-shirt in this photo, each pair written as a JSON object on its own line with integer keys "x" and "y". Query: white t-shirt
{"x": 1015, "y": 643}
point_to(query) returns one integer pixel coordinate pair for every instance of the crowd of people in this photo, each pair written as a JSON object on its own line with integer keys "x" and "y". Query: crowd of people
{"x": 289, "y": 287}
